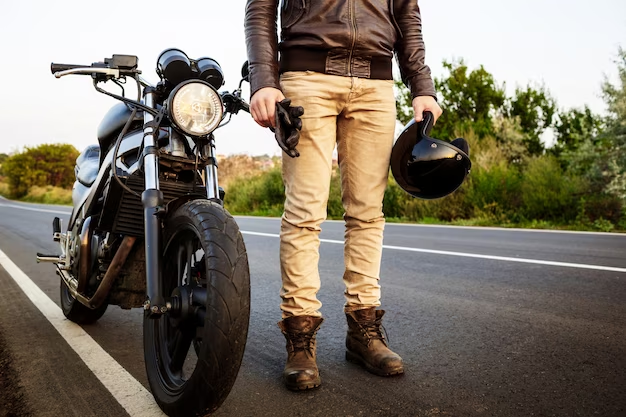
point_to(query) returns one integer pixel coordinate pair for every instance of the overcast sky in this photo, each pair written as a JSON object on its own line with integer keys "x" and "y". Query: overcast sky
{"x": 568, "y": 45}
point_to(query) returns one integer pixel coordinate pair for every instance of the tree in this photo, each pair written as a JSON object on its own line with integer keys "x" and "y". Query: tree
{"x": 404, "y": 103}
{"x": 535, "y": 109}
{"x": 470, "y": 100}
{"x": 615, "y": 134}
{"x": 48, "y": 164}
{"x": 3, "y": 157}
{"x": 511, "y": 138}
{"x": 574, "y": 126}
{"x": 601, "y": 158}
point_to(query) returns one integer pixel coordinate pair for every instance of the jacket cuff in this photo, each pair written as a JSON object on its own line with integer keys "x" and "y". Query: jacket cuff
{"x": 422, "y": 86}
{"x": 262, "y": 76}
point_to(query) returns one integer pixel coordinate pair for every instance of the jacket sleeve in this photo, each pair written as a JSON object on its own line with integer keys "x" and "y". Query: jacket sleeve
{"x": 262, "y": 44}
{"x": 410, "y": 49}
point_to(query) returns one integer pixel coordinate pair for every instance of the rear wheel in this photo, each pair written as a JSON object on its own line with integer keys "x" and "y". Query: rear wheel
{"x": 193, "y": 352}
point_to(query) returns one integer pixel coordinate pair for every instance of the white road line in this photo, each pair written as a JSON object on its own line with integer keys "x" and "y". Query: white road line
{"x": 472, "y": 255}
{"x": 67, "y": 213}
{"x": 131, "y": 395}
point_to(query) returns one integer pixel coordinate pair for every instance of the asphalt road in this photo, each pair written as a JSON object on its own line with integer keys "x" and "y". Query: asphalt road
{"x": 489, "y": 322}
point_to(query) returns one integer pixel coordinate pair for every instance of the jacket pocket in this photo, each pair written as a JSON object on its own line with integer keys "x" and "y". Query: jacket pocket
{"x": 291, "y": 11}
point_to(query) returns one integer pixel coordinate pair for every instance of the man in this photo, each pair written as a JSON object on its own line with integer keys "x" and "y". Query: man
{"x": 335, "y": 62}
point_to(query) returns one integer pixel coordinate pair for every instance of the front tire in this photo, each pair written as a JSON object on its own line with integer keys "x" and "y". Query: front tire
{"x": 75, "y": 311}
{"x": 192, "y": 361}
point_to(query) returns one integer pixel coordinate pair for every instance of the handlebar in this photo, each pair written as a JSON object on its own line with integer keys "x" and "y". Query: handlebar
{"x": 63, "y": 67}
{"x": 233, "y": 102}
{"x": 116, "y": 66}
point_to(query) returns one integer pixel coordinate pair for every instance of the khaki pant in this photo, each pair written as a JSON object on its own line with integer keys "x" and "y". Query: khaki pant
{"x": 359, "y": 116}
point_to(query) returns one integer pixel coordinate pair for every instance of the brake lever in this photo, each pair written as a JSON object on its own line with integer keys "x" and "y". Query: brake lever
{"x": 88, "y": 71}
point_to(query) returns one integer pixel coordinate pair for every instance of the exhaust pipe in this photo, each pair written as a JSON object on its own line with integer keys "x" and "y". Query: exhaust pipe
{"x": 109, "y": 278}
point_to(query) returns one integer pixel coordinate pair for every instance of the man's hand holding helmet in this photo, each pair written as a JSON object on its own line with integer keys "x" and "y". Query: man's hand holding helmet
{"x": 426, "y": 103}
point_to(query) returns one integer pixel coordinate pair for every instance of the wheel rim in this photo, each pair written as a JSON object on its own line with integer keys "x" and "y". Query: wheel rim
{"x": 177, "y": 340}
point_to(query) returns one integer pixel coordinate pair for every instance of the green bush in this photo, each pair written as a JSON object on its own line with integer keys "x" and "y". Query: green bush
{"x": 547, "y": 193}
{"x": 394, "y": 200}
{"x": 533, "y": 192}
{"x": 261, "y": 194}
{"x": 47, "y": 164}
{"x": 4, "y": 189}
{"x": 335, "y": 206}
{"x": 495, "y": 193}
{"x": 448, "y": 208}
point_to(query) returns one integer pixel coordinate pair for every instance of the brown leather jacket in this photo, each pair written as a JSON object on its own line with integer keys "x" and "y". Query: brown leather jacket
{"x": 341, "y": 37}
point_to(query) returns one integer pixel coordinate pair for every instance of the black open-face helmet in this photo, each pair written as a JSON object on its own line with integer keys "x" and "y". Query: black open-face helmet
{"x": 425, "y": 167}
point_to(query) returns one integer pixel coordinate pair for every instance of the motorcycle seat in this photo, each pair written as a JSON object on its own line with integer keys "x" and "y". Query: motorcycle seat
{"x": 88, "y": 165}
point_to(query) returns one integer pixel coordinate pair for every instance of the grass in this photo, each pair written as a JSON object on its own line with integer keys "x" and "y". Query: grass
{"x": 49, "y": 195}
{"x": 42, "y": 195}
{"x": 4, "y": 189}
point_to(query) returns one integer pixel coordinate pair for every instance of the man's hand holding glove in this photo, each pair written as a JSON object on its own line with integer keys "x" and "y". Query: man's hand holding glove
{"x": 288, "y": 125}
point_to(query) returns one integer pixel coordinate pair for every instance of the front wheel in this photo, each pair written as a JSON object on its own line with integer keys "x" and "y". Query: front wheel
{"x": 75, "y": 311}
{"x": 192, "y": 358}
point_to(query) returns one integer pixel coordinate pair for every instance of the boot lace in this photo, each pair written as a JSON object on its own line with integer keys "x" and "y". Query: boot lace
{"x": 374, "y": 330}
{"x": 301, "y": 342}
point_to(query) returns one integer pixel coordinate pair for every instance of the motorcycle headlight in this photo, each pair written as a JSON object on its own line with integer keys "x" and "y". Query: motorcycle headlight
{"x": 196, "y": 108}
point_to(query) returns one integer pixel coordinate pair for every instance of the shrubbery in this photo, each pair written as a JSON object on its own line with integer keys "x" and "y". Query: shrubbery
{"x": 259, "y": 194}
{"x": 43, "y": 165}
{"x": 536, "y": 193}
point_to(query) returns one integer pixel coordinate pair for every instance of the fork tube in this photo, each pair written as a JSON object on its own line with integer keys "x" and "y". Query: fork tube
{"x": 152, "y": 200}
{"x": 150, "y": 160}
{"x": 212, "y": 190}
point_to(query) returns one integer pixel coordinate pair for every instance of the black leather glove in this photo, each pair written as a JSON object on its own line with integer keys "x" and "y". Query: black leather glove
{"x": 288, "y": 125}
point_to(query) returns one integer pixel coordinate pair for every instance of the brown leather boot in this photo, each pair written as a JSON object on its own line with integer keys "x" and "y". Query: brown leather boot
{"x": 367, "y": 346}
{"x": 301, "y": 371}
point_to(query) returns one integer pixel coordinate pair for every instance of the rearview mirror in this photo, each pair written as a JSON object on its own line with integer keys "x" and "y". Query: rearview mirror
{"x": 245, "y": 71}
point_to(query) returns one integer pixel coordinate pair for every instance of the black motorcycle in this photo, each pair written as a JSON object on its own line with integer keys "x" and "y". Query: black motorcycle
{"x": 149, "y": 229}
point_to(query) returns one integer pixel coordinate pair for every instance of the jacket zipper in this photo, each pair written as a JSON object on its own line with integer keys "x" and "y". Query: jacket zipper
{"x": 353, "y": 24}
{"x": 393, "y": 19}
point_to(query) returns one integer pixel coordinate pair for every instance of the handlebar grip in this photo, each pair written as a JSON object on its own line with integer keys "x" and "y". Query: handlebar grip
{"x": 245, "y": 106}
{"x": 63, "y": 67}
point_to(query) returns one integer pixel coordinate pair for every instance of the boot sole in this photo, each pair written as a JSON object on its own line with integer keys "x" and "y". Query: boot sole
{"x": 354, "y": 358}
{"x": 304, "y": 387}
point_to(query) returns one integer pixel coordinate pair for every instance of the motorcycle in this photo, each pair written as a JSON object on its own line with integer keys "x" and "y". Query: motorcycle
{"x": 149, "y": 228}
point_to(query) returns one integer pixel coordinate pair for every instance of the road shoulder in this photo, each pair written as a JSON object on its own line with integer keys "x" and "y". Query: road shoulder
{"x": 53, "y": 379}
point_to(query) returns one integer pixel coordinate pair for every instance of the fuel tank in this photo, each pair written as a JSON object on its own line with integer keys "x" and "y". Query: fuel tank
{"x": 113, "y": 122}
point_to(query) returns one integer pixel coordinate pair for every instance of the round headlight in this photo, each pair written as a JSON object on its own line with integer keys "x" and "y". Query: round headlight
{"x": 196, "y": 108}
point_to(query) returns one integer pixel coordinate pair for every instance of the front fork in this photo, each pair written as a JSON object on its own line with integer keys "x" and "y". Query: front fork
{"x": 152, "y": 200}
